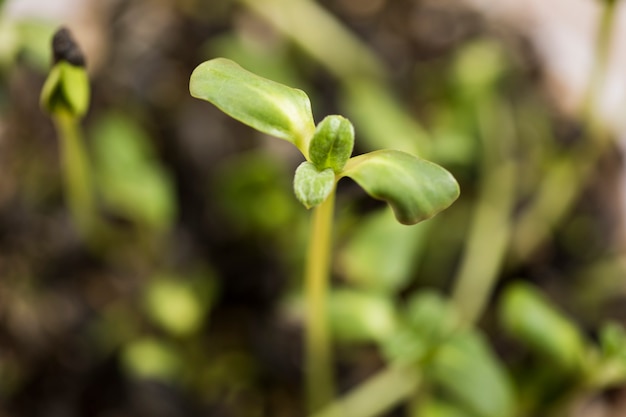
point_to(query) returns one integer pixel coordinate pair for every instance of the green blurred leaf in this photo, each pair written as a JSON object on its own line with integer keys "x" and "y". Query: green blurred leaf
{"x": 313, "y": 186}
{"x": 179, "y": 306}
{"x": 263, "y": 104}
{"x": 10, "y": 42}
{"x": 478, "y": 66}
{"x": 33, "y": 49}
{"x": 427, "y": 322}
{"x": 332, "y": 143}
{"x": 405, "y": 346}
{"x": 430, "y": 315}
{"x": 382, "y": 120}
{"x": 530, "y": 317}
{"x": 613, "y": 340}
{"x": 415, "y": 188}
{"x": 361, "y": 316}
{"x": 468, "y": 371}
{"x": 429, "y": 407}
{"x": 382, "y": 253}
{"x": 255, "y": 193}
{"x": 151, "y": 358}
{"x": 453, "y": 144}
{"x": 66, "y": 90}
{"x": 132, "y": 181}
{"x": 611, "y": 367}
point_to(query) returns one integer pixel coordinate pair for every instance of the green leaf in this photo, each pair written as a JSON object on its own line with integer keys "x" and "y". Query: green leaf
{"x": 332, "y": 143}
{"x": 428, "y": 321}
{"x": 361, "y": 316}
{"x": 66, "y": 89}
{"x": 382, "y": 253}
{"x": 151, "y": 359}
{"x": 252, "y": 189}
{"x": 613, "y": 340}
{"x": 415, "y": 188}
{"x": 434, "y": 407}
{"x": 430, "y": 315}
{"x": 178, "y": 305}
{"x": 265, "y": 105}
{"x": 527, "y": 315}
{"x": 133, "y": 182}
{"x": 466, "y": 368}
{"x": 311, "y": 185}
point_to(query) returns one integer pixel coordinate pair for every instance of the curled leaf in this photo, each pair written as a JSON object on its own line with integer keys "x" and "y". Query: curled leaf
{"x": 332, "y": 143}
{"x": 311, "y": 185}
{"x": 265, "y": 105}
{"x": 415, "y": 188}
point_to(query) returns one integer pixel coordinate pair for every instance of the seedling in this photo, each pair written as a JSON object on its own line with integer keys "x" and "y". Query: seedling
{"x": 416, "y": 189}
{"x": 65, "y": 96}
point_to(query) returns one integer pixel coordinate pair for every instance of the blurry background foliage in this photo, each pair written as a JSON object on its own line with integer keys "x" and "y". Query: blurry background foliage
{"x": 191, "y": 306}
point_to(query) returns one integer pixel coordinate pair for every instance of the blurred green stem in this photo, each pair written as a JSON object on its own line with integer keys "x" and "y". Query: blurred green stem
{"x": 490, "y": 228}
{"x": 320, "y": 34}
{"x": 76, "y": 173}
{"x": 377, "y": 394}
{"x": 568, "y": 176}
{"x": 319, "y": 369}
{"x": 487, "y": 243}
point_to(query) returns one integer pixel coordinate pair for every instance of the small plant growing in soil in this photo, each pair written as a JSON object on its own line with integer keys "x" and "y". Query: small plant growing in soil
{"x": 416, "y": 189}
{"x": 65, "y": 96}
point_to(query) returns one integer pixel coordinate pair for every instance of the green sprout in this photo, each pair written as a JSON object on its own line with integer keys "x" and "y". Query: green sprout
{"x": 65, "y": 96}
{"x": 415, "y": 189}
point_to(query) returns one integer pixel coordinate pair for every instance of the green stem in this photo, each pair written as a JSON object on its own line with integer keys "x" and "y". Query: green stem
{"x": 321, "y": 35}
{"x": 490, "y": 229}
{"x": 487, "y": 243}
{"x": 568, "y": 176}
{"x": 76, "y": 173}
{"x": 377, "y": 394}
{"x": 319, "y": 369}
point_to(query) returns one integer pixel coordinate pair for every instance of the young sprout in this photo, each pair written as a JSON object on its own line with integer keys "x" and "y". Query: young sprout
{"x": 65, "y": 97}
{"x": 415, "y": 189}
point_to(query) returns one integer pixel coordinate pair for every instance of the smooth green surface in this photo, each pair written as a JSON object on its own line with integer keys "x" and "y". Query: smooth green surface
{"x": 360, "y": 316}
{"x": 377, "y": 394}
{"x": 332, "y": 143}
{"x": 416, "y": 189}
{"x": 382, "y": 119}
{"x": 151, "y": 358}
{"x": 66, "y": 89}
{"x": 319, "y": 370}
{"x": 77, "y": 175}
{"x": 468, "y": 370}
{"x": 133, "y": 182}
{"x": 175, "y": 305}
{"x": 529, "y": 316}
{"x": 382, "y": 254}
{"x": 433, "y": 408}
{"x": 265, "y": 105}
{"x": 427, "y": 321}
{"x": 312, "y": 186}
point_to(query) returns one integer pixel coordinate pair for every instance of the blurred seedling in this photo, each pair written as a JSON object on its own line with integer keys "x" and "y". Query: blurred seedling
{"x": 130, "y": 182}
{"x": 65, "y": 96}
{"x": 416, "y": 189}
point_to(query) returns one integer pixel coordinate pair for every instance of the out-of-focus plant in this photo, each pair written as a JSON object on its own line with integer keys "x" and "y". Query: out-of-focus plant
{"x": 415, "y": 188}
{"x": 124, "y": 177}
{"x": 65, "y": 96}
